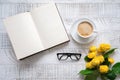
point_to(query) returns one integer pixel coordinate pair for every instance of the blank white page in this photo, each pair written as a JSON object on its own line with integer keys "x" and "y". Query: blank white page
{"x": 49, "y": 25}
{"x": 23, "y": 35}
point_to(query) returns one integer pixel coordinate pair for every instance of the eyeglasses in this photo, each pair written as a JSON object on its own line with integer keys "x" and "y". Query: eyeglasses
{"x": 73, "y": 56}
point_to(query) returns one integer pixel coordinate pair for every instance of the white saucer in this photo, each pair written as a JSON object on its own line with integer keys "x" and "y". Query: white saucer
{"x": 75, "y": 36}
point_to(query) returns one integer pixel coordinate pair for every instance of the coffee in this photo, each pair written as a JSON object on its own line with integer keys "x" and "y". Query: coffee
{"x": 85, "y": 28}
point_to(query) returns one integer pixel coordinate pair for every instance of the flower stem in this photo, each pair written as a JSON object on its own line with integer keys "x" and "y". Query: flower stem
{"x": 103, "y": 77}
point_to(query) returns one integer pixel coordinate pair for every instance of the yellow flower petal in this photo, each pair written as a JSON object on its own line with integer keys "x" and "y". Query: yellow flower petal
{"x": 91, "y": 55}
{"x": 89, "y": 65}
{"x": 95, "y": 62}
{"x": 93, "y": 48}
{"x": 111, "y": 60}
{"x": 104, "y": 47}
{"x": 103, "y": 68}
{"x": 101, "y": 58}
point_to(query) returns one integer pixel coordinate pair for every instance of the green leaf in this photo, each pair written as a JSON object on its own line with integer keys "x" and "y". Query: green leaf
{"x": 87, "y": 59}
{"x": 111, "y": 75}
{"x": 116, "y": 68}
{"x": 107, "y": 53}
{"x": 92, "y": 76}
{"x": 86, "y": 72}
{"x": 106, "y": 62}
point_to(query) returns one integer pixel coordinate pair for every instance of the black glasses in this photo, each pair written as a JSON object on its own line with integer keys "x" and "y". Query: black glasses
{"x": 73, "y": 56}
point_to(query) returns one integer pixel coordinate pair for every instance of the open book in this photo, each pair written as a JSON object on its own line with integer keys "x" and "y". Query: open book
{"x": 35, "y": 31}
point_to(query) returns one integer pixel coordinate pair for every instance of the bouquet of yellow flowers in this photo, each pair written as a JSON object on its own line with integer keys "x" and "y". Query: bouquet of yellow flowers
{"x": 98, "y": 63}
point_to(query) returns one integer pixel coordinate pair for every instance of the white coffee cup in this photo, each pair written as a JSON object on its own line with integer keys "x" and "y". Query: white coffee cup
{"x": 86, "y": 28}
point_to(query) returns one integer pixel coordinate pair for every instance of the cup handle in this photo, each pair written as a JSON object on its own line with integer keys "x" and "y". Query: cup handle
{"x": 96, "y": 32}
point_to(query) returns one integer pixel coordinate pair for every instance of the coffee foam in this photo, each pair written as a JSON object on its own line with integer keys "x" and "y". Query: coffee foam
{"x": 85, "y": 28}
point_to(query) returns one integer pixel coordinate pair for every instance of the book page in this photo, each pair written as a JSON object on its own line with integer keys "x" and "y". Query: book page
{"x": 49, "y": 25}
{"x": 23, "y": 35}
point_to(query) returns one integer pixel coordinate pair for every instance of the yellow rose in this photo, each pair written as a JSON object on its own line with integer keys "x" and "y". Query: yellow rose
{"x": 89, "y": 65}
{"x": 95, "y": 62}
{"x": 101, "y": 58}
{"x": 104, "y": 47}
{"x": 103, "y": 68}
{"x": 107, "y": 46}
{"x": 93, "y": 48}
{"x": 111, "y": 60}
{"x": 91, "y": 55}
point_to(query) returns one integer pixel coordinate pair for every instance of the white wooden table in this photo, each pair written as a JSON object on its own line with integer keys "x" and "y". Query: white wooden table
{"x": 44, "y": 65}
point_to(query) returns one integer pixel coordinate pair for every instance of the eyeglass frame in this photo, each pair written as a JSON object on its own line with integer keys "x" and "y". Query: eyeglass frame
{"x": 69, "y": 55}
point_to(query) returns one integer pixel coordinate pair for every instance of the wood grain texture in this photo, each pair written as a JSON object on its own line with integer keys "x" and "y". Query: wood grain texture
{"x": 44, "y": 65}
